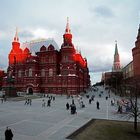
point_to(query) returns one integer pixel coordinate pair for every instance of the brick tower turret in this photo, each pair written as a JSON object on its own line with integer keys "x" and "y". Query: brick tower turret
{"x": 116, "y": 64}
{"x": 136, "y": 55}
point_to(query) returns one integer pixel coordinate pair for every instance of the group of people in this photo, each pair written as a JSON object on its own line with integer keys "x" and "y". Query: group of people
{"x": 91, "y": 99}
{"x": 72, "y": 107}
{"x": 50, "y": 98}
{"x": 28, "y": 101}
{"x": 124, "y": 106}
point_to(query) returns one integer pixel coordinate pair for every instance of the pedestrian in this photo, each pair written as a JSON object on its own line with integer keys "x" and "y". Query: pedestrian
{"x": 90, "y": 101}
{"x": 72, "y": 101}
{"x": 92, "y": 97}
{"x": 1, "y": 100}
{"x": 67, "y": 106}
{"x": 53, "y": 98}
{"x": 119, "y": 109}
{"x": 8, "y": 134}
{"x": 82, "y": 104}
{"x": 98, "y": 105}
{"x": 43, "y": 103}
{"x": 26, "y": 101}
{"x": 73, "y": 108}
{"x": 30, "y": 102}
{"x": 49, "y": 103}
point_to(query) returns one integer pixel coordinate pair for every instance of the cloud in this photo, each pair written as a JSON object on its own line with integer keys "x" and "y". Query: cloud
{"x": 95, "y": 25}
{"x": 44, "y": 33}
{"x": 103, "y": 11}
{"x": 25, "y": 34}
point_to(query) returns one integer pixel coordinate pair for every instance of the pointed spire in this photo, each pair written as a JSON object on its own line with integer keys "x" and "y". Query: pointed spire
{"x": 138, "y": 36}
{"x": 16, "y": 39}
{"x": 116, "y": 48}
{"x": 67, "y": 31}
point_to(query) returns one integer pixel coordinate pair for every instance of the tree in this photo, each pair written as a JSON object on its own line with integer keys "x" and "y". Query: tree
{"x": 134, "y": 111}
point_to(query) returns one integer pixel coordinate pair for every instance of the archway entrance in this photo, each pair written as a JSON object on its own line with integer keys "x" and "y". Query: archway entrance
{"x": 30, "y": 90}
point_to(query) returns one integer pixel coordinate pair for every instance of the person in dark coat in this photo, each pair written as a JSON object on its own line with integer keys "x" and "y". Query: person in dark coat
{"x": 72, "y": 101}
{"x": 8, "y": 134}
{"x": 97, "y": 103}
{"x": 67, "y": 106}
{"x": 90, "y": 101}
{"x": 49, "y": 103}
{"x": 73, "y": 108}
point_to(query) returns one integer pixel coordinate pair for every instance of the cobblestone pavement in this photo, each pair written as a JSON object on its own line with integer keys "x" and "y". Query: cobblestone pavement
{"x": 53, "y": 123}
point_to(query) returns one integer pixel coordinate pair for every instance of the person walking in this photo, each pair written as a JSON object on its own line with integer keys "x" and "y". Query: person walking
{"x": 43, "y": 103}
{"x": 90, "y": 101}
{"x": 8, "y": 134}
{"x": 49, "y": 103}
{"x": 30, "y": 102}
{"x": 98, "y": 105}
{"x": 67, "y": 106}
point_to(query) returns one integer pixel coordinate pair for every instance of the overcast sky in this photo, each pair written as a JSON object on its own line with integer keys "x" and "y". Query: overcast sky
{"x": 95, "y": 25}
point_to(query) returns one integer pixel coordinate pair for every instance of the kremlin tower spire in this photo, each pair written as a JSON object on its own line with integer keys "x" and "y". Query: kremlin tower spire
{"x": 16, "y": 39}
{"x": 67, "y": 37}
{"x": 116, "y": 65}
{"x": 67, "y": 31}
{"x": 16, "y": 43}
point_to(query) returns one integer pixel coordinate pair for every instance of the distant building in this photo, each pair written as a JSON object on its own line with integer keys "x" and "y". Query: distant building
{"x": 40, "y": 66}
{"x": 128, "y": 72}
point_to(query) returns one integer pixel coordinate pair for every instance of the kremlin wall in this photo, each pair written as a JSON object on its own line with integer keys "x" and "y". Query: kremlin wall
{"x": 128, "y": 76}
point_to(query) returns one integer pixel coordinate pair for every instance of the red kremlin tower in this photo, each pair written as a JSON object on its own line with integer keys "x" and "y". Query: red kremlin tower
{"x": 17, "y": 55}
{"x": 136, "y": 56}
{"x": 116, "y": 64}
{"x": 46, "y": 69}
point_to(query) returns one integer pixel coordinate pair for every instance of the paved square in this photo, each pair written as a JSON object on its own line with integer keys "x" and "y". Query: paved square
{"x": 52, "y": 123}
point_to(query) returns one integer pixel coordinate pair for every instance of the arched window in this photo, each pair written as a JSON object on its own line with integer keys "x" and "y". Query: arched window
{"x": 42, "y": 73}
{"x": 19, "y": 73}
{"x": 30, "y": 72}
{"x": 50, "y": 72}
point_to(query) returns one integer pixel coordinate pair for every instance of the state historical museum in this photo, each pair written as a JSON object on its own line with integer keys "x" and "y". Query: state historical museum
{"x": 47, "y": 69}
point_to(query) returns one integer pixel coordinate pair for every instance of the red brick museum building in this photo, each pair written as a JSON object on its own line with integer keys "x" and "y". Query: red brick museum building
{"x": 49, "y": 69}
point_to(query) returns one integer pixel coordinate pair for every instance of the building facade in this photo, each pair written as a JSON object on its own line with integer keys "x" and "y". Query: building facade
{"x": 48, "y": 70}
{"x": 2, "y": 74}
{"x": 128, "y": 72}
